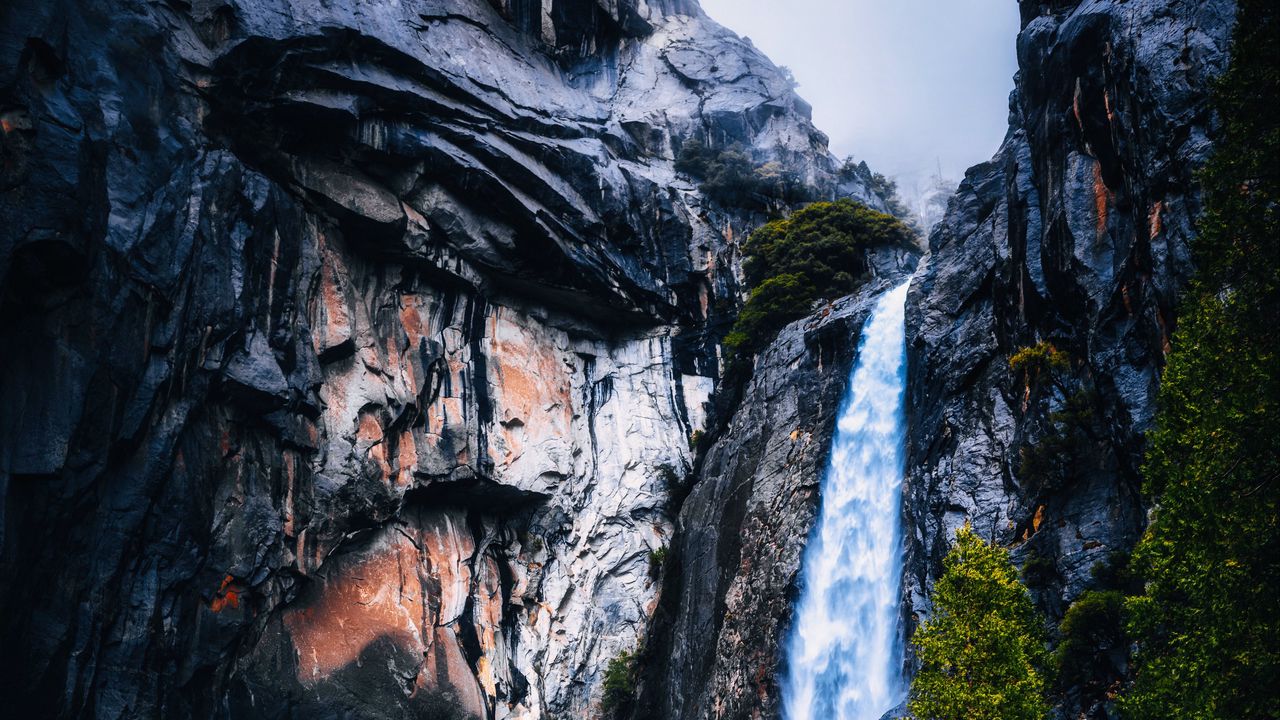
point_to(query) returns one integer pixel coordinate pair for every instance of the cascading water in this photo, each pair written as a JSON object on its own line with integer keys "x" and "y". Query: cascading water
{"x": 844, "y": 656}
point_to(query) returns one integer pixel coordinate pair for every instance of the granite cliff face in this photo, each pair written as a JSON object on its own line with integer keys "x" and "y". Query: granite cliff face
{"x": 1076, "y": 234}
{"x": 352, "y": 350}
{"x": 728, "y": 593}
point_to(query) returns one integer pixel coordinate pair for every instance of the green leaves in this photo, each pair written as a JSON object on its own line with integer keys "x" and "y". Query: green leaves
{"x": 983, "y": 653}
{"x": 818, "y": 253}
{"x": 1208, "y": 624}
{"x": 620, "y": 682}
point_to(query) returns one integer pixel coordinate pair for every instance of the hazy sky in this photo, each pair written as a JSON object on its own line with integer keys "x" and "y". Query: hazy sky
{"x": 901, "y": 84}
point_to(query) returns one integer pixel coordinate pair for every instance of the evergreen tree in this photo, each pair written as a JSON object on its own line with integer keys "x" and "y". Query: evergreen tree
{"x": 982, "y": 655}
{"x": 1208, "y": 623}
{"x": 817, "y": 253}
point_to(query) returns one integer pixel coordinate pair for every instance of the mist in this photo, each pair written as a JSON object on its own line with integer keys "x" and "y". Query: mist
{"x": 913, "y": 87}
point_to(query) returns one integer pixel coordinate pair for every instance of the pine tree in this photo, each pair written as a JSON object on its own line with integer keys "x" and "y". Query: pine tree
{"x": 982, "y": 654}
{"x": 1208, "y": 623}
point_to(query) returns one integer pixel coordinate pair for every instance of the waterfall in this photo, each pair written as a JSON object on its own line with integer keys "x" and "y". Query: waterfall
{"x": 844, "y": 654}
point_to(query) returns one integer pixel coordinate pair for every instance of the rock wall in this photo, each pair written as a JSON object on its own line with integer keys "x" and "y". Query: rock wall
{"x": 352, "y": 350}
{"x": 1077, "y": 234}
{"x": 714, "y": 648}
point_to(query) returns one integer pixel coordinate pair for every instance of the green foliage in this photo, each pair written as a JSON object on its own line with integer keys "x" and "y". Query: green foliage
{"x": 620, "y": 682}
{"x": 1038, "y": 570}
{"x": 657, "y": 559}
{"x": 982, "y": 655}
{"x": 776, "y": 302}
{"x": 1039, "y": 363}
{"x": 816, "y": 254}
{"x": 1092, "y": 632}
{"x": 729, "y": 177}
{"x": 887, "y": 190}
{"x": 1057, "y": 458}
{"x": 1207, "y": 624}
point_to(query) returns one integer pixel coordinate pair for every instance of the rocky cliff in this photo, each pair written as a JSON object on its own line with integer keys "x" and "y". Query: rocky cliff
{"x": 714, "y": 647}
{"x": 1076, "y": 234}
{"x": 352, "y": 351}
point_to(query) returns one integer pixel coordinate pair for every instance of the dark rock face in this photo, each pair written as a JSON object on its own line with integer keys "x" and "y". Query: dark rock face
{"x": 1076, "y": 233}
{"x": 728, "y": 596}
{"x": 350, "y": 350}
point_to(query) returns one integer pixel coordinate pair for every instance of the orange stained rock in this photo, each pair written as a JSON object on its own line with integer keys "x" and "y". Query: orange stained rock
{"x": 406, "y": 459}
{"x": 1075, "y": 106}
{"x": 375, "y": 596}
{"x": 228, "y": 595}
{"x": 335, "y": 321}
{"x": 369, "y": 432}
{"x": 531, "y": 385}
{"x": 1155, "y": 219}
{"x": 411, "y": 318}
{"x": 1101, "y": 198}
{"x": 1039, "y": 518}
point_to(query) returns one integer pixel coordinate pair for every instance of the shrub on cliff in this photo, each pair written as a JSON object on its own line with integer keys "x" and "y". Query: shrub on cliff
{"x": 620, "y": 682}
{"x": 982, "y": 654}
{"x": 1093, "y": 641}
{"x": 818, "y": 253}
{"x": 728, "y": 176}
{"x": 1208, "y": 623}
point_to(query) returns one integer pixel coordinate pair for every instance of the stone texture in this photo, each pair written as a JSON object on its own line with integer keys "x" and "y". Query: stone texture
{"x": 1076, "y": 233}
{"x": 729, "y": 589}
{"x": 352, "y": 350}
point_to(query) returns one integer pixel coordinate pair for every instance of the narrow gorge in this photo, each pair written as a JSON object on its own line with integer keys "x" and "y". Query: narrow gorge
{"x": 383, "y": 359}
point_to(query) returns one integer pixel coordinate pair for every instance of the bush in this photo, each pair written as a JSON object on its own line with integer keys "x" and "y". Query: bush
{"x": 730, "y": 178}
{"x": 776, "y": 302}
{"x": 620, "y": 682}
{"x": 657, "y": 559}
{"x": 1058, "y": 457}
{"x": 982, "y": 655}
{"x": 1039, "y": 363}
{"x": 1092, "y": 635}
{"x": 1038, "y": 571}
{"x": 818, "y": 253}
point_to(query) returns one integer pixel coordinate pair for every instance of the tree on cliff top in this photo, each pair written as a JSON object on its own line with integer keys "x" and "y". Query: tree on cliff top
{"x": 1208, "y": 623}
{"x": 818, "y": 253}
{"x": 982, "y": 655}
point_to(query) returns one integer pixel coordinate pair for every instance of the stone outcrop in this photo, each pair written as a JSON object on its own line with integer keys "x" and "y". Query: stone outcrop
{"x": 1077, "y": 234}
{"x": 733, "y": 572}
{"x": 352, "y": 350}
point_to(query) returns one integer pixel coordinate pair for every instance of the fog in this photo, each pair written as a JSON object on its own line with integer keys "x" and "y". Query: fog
{"x": 910, "y": 86}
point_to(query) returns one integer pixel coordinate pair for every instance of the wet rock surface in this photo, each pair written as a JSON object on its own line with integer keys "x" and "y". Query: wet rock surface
{"x": 732, "y": 578}
{"x": 352, "y": 351}
{"x": 1076, "y": 233}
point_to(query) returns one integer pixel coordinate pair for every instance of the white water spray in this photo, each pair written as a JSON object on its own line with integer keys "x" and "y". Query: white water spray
{"x": 844, "y": 656}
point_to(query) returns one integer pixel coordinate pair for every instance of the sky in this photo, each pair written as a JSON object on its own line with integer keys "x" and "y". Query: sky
{"x": 902, "y": 84}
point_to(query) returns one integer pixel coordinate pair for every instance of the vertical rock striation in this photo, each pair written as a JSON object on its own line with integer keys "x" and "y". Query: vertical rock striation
{"x": 715, "y": 646}
{"x": 1076, "y": 234}
{"x": 352, "y": 350}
